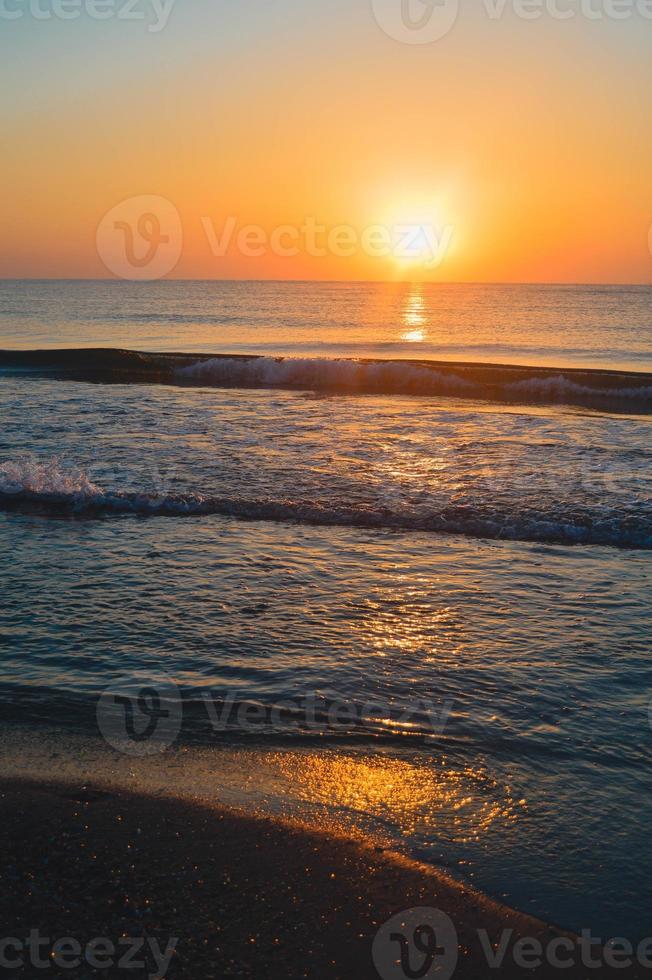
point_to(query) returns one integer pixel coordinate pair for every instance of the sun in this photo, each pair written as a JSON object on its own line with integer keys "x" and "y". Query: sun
{"x": 422, "y": 233}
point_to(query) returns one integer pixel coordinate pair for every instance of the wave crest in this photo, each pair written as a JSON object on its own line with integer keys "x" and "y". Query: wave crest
{"x": 609, "y": 390}
{"x": 46, "y": 478}
{"x": 387, "y": 377}
{"x": 49, "y": 487}
{"x": 492, "y": 382}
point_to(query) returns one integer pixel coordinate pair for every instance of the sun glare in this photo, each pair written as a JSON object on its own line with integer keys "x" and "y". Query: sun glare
{"x": 423, "y": 232}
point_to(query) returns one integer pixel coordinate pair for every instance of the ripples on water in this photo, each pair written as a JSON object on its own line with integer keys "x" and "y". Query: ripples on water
{"x": 599, "y": 326}
{"x": 411, "y": 463}
{"x": 541, "y": 652}
{"x": 339, "y": 586}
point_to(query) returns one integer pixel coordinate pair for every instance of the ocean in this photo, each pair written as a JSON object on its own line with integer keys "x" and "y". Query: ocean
{"x": 389, "y": 541}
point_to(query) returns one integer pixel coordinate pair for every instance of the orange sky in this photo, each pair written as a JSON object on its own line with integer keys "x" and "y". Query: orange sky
{"x": 525, "y": 145}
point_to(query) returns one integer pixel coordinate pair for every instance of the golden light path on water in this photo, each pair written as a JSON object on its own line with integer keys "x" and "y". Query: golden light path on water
{"x": 412, "y": 798}
{"x": 402, "y": 618}
{"x": 414, "y": 317}
{"x": 383, "y": 797}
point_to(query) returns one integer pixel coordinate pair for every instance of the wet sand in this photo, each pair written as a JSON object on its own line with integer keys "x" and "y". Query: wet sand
{"x": 247, "y": 897}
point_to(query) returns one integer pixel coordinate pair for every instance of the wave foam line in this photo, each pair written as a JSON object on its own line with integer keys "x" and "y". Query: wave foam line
{"x": 410, "y": 378}
{"x": 51, "y": 489}
{"x": 384, "y": 377}
{"x": 610, "y": 390}
{"x": 564, "y": 389}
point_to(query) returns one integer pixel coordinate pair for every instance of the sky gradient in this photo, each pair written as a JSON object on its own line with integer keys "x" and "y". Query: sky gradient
{"x": 526, "y": 143}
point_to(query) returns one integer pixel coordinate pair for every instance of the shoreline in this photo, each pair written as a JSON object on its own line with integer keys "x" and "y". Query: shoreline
{"x": 226, "y": 894}
{"x": 245, "y": 896}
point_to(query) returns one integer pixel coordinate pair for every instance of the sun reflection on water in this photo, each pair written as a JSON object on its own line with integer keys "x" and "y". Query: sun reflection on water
{"x": 414, "y": 336}
{"x": 460, "y": 805}
{"x": 408, "y": 620}
{"x": 381, "y": 797}
{"x": 414, "y": 318}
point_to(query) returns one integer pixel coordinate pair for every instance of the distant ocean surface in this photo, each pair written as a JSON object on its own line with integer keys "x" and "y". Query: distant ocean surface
{"x": 307, "y": 524}
{"x": 587, "y": 326}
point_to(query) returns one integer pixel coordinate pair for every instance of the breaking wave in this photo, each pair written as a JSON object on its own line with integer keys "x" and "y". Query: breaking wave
{"x": 386, "y": 377}
{"x": 609, "y": 390}
{"x": 49, "y": 487}
{"x": 409, "y": 378}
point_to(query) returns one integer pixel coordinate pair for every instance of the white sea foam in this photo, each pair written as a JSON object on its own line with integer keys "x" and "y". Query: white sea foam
{"x": 50, "y": 486}
{"x": 320, "y": 373}
{"x": 560, "y": 388}
{"x": 48, "y": 478}
{"x": 403, "y": 377}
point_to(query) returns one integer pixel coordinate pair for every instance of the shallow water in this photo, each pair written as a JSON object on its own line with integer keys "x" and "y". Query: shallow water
{"x": 450, "y": 597}
{"x": 539, "y": 653}
{"x": 408, "y": 463}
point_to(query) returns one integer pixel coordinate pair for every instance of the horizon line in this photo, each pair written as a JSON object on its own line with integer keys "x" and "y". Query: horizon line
{"x": 342, "y": 282}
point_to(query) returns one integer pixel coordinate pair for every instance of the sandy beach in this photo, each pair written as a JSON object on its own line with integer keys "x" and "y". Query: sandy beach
{"x": 242, "y": 897}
